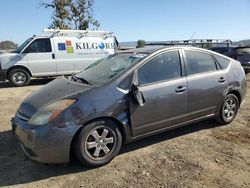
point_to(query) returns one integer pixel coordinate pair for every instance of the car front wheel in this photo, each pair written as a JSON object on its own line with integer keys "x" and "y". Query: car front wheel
{"x": 98, "y": 143}
{"x": 228, "y": 110}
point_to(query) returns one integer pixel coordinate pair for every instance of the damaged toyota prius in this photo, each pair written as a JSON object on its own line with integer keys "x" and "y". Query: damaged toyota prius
{"x": 124, "y": 97}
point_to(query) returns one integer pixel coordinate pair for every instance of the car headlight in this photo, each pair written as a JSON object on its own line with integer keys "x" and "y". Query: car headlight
{"x": 50, "y": 112}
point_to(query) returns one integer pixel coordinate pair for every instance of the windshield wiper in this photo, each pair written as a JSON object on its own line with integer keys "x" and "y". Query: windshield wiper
{"x": 82, "y": 80}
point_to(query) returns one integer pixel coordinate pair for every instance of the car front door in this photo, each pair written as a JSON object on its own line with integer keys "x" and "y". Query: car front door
{"x": 40, "y": 58}
{"x": 164, "y": 91}
{"x": 207, "y": 84}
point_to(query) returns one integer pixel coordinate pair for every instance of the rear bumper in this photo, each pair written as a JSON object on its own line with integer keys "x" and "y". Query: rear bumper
{"x": 243, "y": 91}
{"x": 44, "y": 144}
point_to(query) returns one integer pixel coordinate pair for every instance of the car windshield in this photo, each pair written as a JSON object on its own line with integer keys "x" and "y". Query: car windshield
{"x": 105, "y": 69}
{"x": 20, "y": 48}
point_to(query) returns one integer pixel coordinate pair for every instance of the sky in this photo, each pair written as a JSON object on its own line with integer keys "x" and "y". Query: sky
{"x": 131, "y": 20}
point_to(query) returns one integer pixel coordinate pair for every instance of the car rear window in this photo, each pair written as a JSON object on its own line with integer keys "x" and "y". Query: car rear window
{"x": 223, "y": 62}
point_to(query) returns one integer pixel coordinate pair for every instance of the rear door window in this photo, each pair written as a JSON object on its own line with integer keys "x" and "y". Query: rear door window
{"x": 39, "y": 46}
{"x": 198, "y": 62}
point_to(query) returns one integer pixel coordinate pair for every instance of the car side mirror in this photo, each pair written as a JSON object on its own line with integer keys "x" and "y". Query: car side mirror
{"x": 137, "y": 95}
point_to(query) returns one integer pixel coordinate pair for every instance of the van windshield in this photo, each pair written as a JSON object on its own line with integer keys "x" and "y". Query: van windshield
{"x": 105, "y": 69}
{"x": 20, "y": 48}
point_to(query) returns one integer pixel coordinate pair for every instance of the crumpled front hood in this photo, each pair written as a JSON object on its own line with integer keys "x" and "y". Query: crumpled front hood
{"x": 53, "y": 91}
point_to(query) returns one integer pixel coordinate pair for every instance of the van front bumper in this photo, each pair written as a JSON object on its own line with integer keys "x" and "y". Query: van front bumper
{"x": 3, "y": 75}
{"x": 44, "y": 144}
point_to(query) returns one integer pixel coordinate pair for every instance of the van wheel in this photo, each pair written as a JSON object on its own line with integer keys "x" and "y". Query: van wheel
{"x": 228, "y": 110}
{"x": 19, "y": 77}
{"x": 98, "y": 143}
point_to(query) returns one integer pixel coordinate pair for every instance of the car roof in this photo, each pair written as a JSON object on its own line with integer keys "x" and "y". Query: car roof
{"x": 145, "y": 50}
{"x": 152, "y": 49}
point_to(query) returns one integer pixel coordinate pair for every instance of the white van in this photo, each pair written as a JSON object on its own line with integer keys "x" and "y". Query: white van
{"x": 65, "y": 52}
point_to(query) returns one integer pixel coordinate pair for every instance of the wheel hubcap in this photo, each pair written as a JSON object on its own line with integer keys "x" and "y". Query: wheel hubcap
{"x": 100, "y": 142}
{"x": 230, "y": 108}
{"x": 19, "y": 77}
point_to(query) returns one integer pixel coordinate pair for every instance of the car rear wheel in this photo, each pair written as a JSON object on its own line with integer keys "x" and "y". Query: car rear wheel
{"x": 19, "y": 77}
{"x": 98, "y": 143}
{"x": 228, "y": 110}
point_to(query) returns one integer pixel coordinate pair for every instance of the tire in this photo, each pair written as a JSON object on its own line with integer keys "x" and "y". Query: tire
{"x": 228, "y": 110}
{"x": 98, "y": 143}
{"x": 19, "y": 77}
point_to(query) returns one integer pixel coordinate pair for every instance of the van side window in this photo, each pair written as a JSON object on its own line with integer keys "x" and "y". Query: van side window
{"x": 162, "y": 67}
{"x": 198, "y": 62}
{"x": 39, "y": 46}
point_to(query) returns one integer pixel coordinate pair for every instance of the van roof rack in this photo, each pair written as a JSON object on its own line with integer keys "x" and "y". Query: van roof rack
{"x": 192, "y": 42}
{"x": 79, "y": 33}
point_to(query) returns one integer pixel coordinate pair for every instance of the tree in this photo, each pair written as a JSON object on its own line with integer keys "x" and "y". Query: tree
{"x": 140, "y": 43}
{"x": 82, "y": 14}
{"x": 8, "y": 45}
{"x": 72, "y": 14}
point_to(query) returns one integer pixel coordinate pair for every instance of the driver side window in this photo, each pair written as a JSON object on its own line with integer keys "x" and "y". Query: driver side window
{"x": 39, "y": 46}
{"x": 162, "y": 67}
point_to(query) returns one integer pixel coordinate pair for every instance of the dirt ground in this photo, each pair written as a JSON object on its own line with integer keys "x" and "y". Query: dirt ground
{"x": 199, "y": 155}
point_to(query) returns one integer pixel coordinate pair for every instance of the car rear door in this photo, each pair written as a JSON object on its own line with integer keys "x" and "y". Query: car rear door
{"x": 40, "y": 57}
{"x": 164, "y": 89}
{"x": 206, "y": 82}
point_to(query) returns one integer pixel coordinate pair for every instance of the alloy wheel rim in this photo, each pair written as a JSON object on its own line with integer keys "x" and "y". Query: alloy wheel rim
{"x": 19, "y": 77}
{"x": 99, "y": 143}
{"x": 229, "y": 108}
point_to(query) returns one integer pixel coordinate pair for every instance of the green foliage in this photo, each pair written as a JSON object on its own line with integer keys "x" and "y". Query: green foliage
{"x": 72, "y": 14}
{"x": 140, "y": 43}
{"x": 8, "y": 45}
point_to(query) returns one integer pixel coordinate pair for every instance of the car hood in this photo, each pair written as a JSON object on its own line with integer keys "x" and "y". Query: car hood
{"x": 53, "y": 91}
{"x": 8, "y": 59}
{"x": 7, "y": 55}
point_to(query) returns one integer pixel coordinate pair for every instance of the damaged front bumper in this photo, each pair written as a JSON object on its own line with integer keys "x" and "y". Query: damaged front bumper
{"x": 46, "y": 143}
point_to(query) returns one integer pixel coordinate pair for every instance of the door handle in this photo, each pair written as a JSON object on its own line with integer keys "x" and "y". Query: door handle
{"x": 180, "y": 89}
{"x": 53, "y": 56}
{"x": 222, "y": 80}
